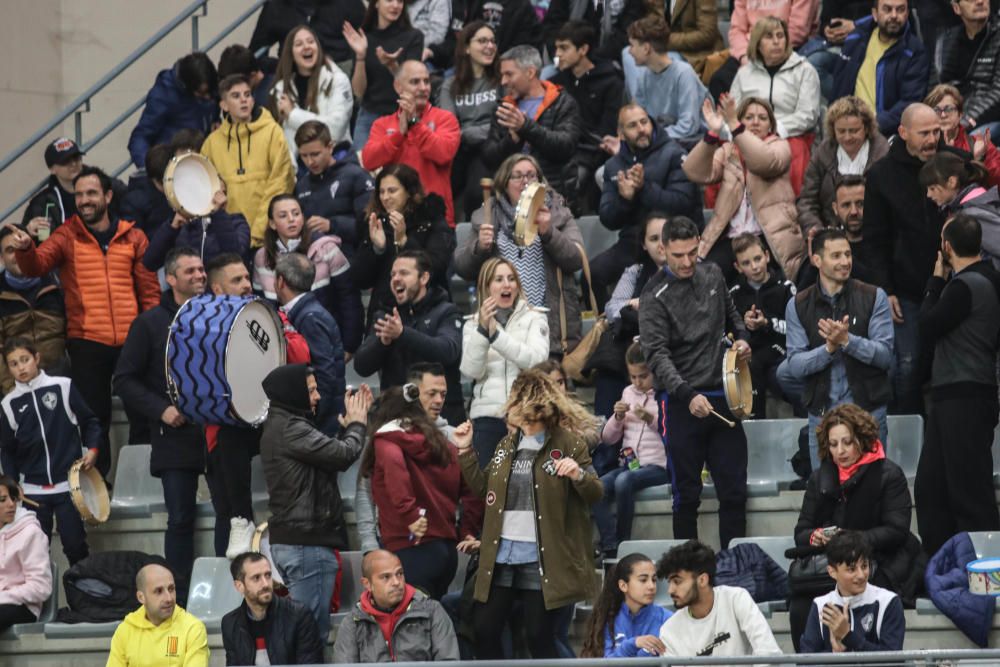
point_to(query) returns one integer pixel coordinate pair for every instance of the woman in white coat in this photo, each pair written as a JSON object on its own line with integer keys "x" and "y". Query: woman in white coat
{"x": 506, "y": 336}
{"x": 310, "y": 87}
{"x": 789, "y": 83}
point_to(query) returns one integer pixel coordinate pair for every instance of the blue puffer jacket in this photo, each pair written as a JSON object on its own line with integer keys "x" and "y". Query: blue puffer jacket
{"x": 948, "y": 585}
{"x": 169, "y": 107}
{"x": 747, "y": 566}
{"x": 211, "y": 236}
{"x": 628, "y": 627}
{"x": 900, "y": 76}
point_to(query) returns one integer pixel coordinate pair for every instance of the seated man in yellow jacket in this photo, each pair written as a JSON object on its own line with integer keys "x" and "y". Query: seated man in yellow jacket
{"x": 250, "y": 153}
{"x": 159, "y": 632}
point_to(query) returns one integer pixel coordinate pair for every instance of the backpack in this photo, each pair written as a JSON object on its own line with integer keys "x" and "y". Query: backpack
{"x": 101, "y": 587}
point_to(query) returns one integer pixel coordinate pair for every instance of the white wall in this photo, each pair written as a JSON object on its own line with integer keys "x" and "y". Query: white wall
{"x": 53, "y": 50}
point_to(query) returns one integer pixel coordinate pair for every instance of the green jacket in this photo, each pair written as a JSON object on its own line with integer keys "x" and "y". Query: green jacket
{"x": 562, "y": 522}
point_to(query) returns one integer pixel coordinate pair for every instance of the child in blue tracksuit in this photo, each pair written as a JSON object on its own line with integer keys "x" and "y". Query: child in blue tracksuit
{"x": 625, "y": 622}
{"x": 44, "y": 426}
{"x": 855, "y": 615}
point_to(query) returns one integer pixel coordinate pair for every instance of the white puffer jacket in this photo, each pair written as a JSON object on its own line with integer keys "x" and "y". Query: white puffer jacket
{"x": 521, "y": 344}
{"x": 793, "y": 93}
{"x": 334, "y": 102}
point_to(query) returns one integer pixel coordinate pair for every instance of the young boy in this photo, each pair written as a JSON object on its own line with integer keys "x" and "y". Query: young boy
{"x": 761, "y": 296}
{"x": 856, "y": 615}
{"x": 44, "y": 429}
{"x": 249, "y": 151}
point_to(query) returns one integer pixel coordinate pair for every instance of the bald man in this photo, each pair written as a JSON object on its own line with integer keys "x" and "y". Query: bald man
{"x": 393, "y": 621}
{"x": 902, "y": 236}
{"x": 159, "y": 632}
{"x": 417, "y": 134}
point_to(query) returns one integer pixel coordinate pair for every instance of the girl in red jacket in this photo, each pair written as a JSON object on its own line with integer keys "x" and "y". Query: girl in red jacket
{"x": 417, "y": 486}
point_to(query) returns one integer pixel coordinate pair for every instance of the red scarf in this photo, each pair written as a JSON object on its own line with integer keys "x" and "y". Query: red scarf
{"x": 387, "y": 620}
{"x": 876, "y": 454}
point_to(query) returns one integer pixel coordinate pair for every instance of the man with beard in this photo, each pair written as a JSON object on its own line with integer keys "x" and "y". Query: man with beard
{"x": 99, "y": 258}
{"x": 849, "y": 208}
{"x": 839, "y": 340}
{"x": 178, "y": 446}
{"x": 960, "y": 316}
{"x": 902, "y": 228}
{"x": 267, "y": 629}
{"x": 418, "y": 134}
{"x": 884, "y": 63}
{"x": 423, "y": 326}
{"x": 643, "y": 176}
{"x": 717, "y": 621}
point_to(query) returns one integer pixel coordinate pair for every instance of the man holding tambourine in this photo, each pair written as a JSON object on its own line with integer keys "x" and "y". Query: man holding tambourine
{"x": 684, "y": 313}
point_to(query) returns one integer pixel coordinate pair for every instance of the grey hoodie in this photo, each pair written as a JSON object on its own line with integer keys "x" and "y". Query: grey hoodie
{"x": 474, "y": 109}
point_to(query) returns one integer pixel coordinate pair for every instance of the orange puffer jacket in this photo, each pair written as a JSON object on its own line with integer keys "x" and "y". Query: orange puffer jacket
{"x": 104, "y": 292}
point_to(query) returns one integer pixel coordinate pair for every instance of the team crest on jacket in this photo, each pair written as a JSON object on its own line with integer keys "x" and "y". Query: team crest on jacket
{"x": 333, "y": 189}
{"x": 867, "y": 621}
{"x": 49, "y": 400}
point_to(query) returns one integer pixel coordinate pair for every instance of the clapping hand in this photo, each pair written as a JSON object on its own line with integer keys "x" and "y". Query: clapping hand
{"x": 487, "y": 315}
{"x": 398, "y": 224}
{"x": 356, "y": 40}
{"x": 389, "y": 59}
{"x": 835, "y": 617}
{"x": 713, "y": 116}
{"x": 836, "y": 332}
{"x": 376, "y": 232}
{"x": 728, "y": 104}
{"x": 389, "y": 327}
{"x": 356, "y": 406}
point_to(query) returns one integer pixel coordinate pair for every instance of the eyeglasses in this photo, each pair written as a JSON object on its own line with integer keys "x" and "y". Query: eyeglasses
{"x": 946, "y": 110}
{"x": 530, "y": 177}
{"x": 483, "y": 41}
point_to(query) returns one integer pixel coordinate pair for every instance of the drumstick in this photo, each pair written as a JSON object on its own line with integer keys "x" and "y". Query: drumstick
{"x": 29, "y": 501}
{"x": 729, "y": 423}
{"x": 487, "y": 185}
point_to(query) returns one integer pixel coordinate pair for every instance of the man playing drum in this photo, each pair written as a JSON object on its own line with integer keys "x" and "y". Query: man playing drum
{"x": 684, "y": 313}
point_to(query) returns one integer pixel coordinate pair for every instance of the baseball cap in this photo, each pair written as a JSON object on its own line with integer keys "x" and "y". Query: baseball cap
{"x": 61, "y": 150}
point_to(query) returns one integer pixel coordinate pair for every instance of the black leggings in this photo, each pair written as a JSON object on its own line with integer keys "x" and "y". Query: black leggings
{"x": 15, "y": 614}
{"x": 490, "y": 618}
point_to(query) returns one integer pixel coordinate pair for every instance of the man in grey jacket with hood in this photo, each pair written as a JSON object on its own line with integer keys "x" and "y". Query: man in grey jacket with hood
{"x": 393, "y": 621}
{"x": 301, "y": 466}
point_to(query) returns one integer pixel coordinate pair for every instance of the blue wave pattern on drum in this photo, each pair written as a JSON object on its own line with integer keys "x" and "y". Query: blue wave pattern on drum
{"x": 196, "y": 356}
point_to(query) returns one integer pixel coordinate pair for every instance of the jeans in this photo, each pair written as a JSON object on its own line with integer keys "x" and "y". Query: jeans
{"x": 91, "y": 367}
{"x": 71, "y": 530}
{"x": 363, "y": 128}
{"x": 620, "y": 486}
{"x": 180, "y": 493}
{"x": 905, "y": 373}
{"x": 310, "y": 573}
{"x": 430, "y": 566}
{"x": 823, "y": 57}
{"x": 487, "y": 432}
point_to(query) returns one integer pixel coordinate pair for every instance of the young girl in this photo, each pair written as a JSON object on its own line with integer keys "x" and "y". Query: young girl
{"x": 45, "y": 427}
{"x": 643, "y": 460}
{"x": 286, "y": 232}
{"x": 961, "y": 186}
{"x": 625, "y": 622}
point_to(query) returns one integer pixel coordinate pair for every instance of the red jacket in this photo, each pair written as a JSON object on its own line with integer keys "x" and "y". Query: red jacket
{"x": 991, "y": 160}
{"x": 405, "y": 481}
{"x": 104, "y": 291}
{"x": 429, "y": 147}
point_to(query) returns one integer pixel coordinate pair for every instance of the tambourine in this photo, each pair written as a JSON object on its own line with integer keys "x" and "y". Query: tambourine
{"x": 737, "y": 383}
{"x": 190, "y": 183}
{"x": 525, "y": 224}
{"x": 262, "y": 545}
{"x": 89, "y": 494}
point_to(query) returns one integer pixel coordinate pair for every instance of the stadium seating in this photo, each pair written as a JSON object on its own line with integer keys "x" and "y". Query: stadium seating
{"x": 136, "y": 492}
{"x": 212, "y": 594}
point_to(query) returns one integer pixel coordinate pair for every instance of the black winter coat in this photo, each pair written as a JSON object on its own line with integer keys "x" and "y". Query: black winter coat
{"x": 770, "y": 299}
{"x": 610, "y": 42}
{"x": 146, "y": 206}
{"x": 340, "y": 194}
{"x": 599, "y": 94}
{"x": 292, "y": 638}
{"x": 978, "y": 84}
{"x": 141, "y": 380}
{"x": 875, "y": 501}
{"x": 278, "y": 17}
{"x": 554, "y": 138}
{"x": 513, "y": 21}
{"x": 426, "y": 229}
{"x": 902, "y": 227}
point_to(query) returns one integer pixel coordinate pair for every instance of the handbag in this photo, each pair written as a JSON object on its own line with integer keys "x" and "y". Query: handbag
{"x": 574, "y": 362}
{"x": 807, "y": 575}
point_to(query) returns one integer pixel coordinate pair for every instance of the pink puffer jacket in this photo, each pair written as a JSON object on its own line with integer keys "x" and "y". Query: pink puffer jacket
{"x": 25, "y": 573}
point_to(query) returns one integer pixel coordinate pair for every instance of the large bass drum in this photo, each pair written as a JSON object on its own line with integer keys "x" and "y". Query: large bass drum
{"x": 219, "y": 350}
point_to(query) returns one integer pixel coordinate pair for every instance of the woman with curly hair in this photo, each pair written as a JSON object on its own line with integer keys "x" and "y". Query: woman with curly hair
{"x": 857, "y": 488}
{"x": 536, "y": 537}
{"x": 625, "y": 622}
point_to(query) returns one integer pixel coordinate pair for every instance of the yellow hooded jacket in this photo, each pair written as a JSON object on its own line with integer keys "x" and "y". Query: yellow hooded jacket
{"x": 180, "y": 641}
{"x": 253, "y": 159}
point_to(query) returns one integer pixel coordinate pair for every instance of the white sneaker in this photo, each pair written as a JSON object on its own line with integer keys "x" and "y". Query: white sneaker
{"x": 240, "y": 536}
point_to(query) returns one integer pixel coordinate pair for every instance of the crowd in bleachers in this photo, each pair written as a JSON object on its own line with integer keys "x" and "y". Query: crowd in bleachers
{"x": 808, "y": 188}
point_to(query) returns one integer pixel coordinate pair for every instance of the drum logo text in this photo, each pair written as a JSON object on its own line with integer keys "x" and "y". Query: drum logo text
{"x": 258, "y": 335}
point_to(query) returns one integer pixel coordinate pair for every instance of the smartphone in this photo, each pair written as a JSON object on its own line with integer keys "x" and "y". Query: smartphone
{"x": 830, "y": 531}
{"x": 835, "y": 23}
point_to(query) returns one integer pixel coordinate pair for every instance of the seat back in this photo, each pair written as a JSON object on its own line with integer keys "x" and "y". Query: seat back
{"x": 212, "y": 594}
{"x": 49, "y": 607}
{"x": 905, "y": 440}
{"x": 770, "y": 444}
{"x": 986, "y": 543}
{"x": 136, "y": 491}
{"x": 350, "y": 580}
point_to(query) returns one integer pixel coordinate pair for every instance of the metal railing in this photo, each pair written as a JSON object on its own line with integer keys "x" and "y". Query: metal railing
{"x": 81, "y": 105}
{"x": 917, "y": 658}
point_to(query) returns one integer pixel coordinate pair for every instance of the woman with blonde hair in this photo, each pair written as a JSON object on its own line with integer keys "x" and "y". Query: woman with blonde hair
{"x": 756, "y": 194}
{"x": 504, "y": 337}
{"x": 536, "y": 537}
{"x": 851, "y": 145}
{"x": 546, "y": 264}
{"x": 776, "y": 73}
